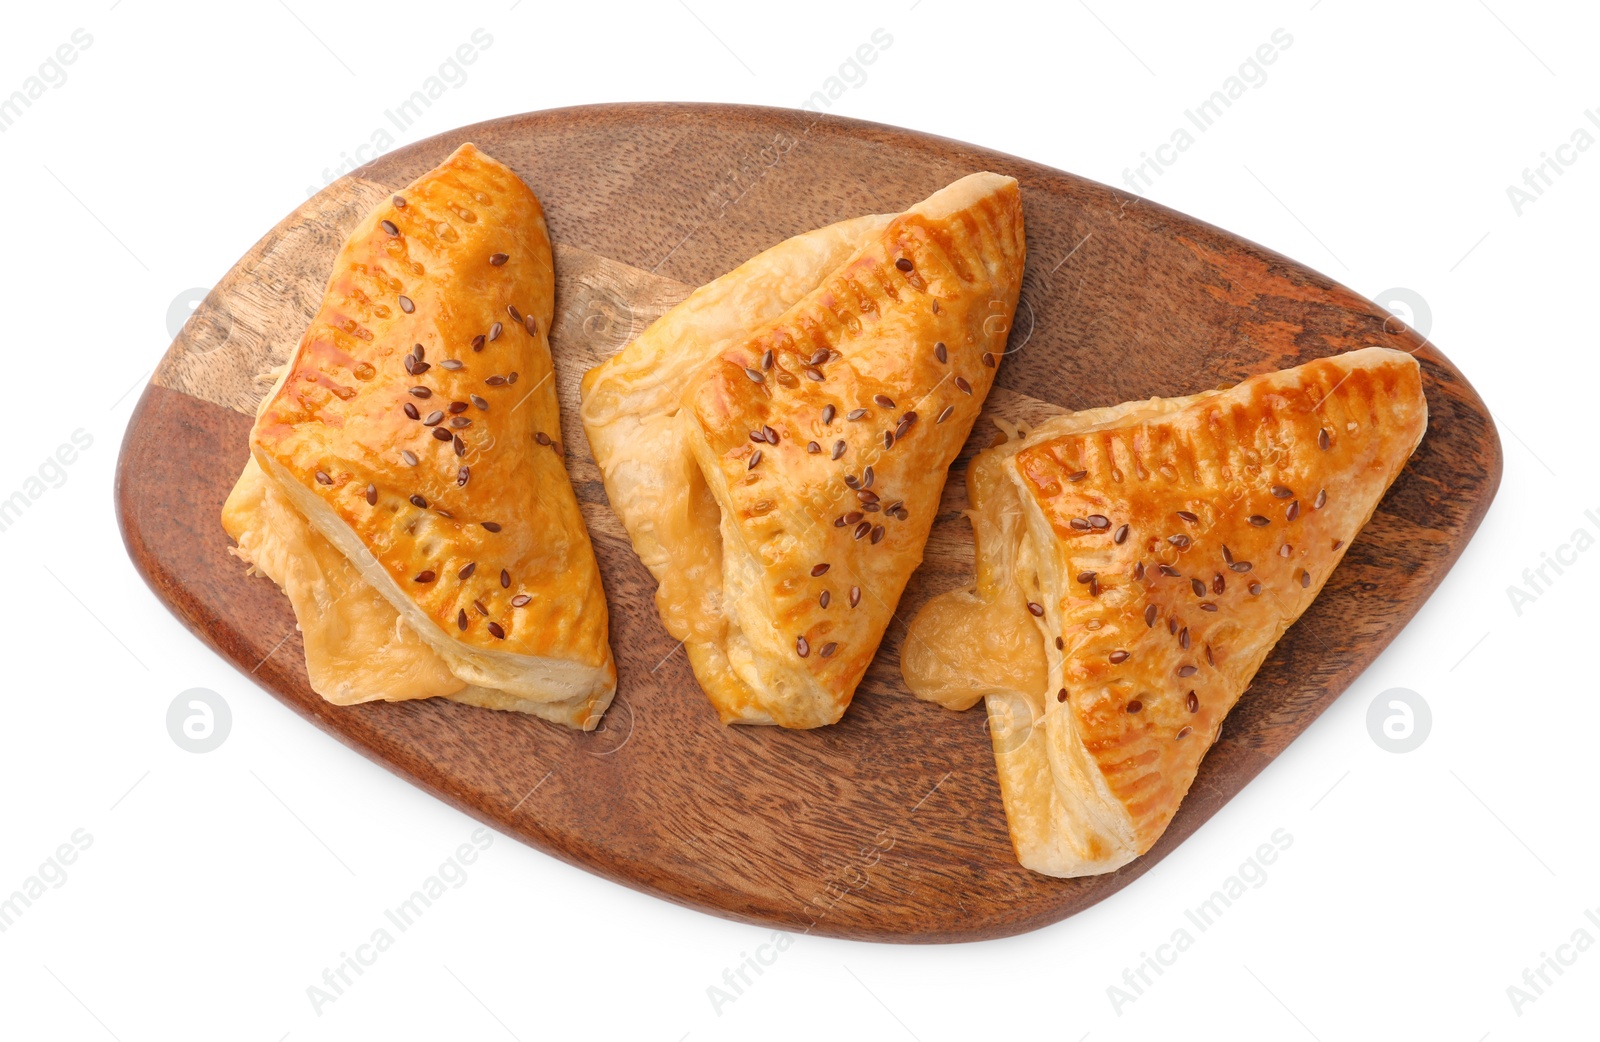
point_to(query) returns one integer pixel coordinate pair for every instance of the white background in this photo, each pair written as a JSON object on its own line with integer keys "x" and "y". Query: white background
{"x": 218, "y": 887}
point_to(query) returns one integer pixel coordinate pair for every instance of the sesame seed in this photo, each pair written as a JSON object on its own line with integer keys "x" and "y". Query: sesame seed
{"x": 1187, "y": 670}
{"x": 406, "y": 305}
{"x": 424, "y": 577}
{"x": 498, "y": 259}
{"x": 823, "y": 598}
{"x": 1120, "y": 536}
{"x": 888, "y": 439}
{"x": 1118, "y": 657}
{"x": 1084, "y": 577}
{"x": 1078, "y": 524}
{"x": 818, "y": 569}
{"x": 945, "y": 413}
{"x": 904, "y": 264}
{"x": 409, "y": 457}
{"x": 883, "y": 401}
{"x": 1172, "y": 625}
{"x": 855, "y": 596}
{"x": 418, "y": 501}
{"x": 481, "y": 609}
{"x": 828, "y": 649}
{"x": 1094, "y": 587}
{"x": 495, "y": 331}
{"x": 1259, "y": 521}
{"x": 418, "y": 368}
{"x": 802, "y": 647}
{"x": 820, "y": 356}
{"x": 498, "y": 630}
{"x": 461, "y": 619}
{"x": 389, "y": 227}
{"x": 1077, "y": 475}
{"x": 1134, "y": 706}
{"x": 766, "y": 359}
{"x": 1323, "y": 441}
{"x": 1035, "y": 609}
{"x": 372, "y": 494}
{"x": 511, "y": 379}
{"x": 940, "y": 353}
{"x": 963, "y": 386}
{"x": 755, "y": 375}
{"x": 852, "y": 517}
{"x": 1138, "y": 570}
{"x": 758, "y": 436}
{"x": 323, "y": 479}
{"x": 1321, "y": 501}
{"x": 1293, "y": 511}
{"x": 828, "y": 412}
{"x": 400, "y": 202}
{"x": 904, "y": 426}
{"x": 441, "y": 434}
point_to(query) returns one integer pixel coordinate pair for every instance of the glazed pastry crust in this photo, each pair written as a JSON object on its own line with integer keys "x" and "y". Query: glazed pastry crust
{"x": 1238, "y": 504}
{"x": 336, "y": 433}
{"x": 827, "y": 339}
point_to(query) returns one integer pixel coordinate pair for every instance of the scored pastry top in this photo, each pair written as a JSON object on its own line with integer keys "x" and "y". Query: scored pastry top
{"x": 419, "y": 409}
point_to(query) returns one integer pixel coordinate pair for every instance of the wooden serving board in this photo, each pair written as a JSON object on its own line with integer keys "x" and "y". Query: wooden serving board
{"x": 888, "y": 825}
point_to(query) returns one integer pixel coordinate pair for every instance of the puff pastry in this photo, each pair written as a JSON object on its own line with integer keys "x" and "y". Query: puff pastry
{"x": 407, "y": 487}
{"x": 1135, "y": 565}
{"x": 776, "y": 444}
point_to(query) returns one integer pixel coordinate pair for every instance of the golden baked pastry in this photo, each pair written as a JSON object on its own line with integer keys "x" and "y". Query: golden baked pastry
{"x": 776, "y": 444}
{"x": 1135, "y": 565}
{"x": 407, "y": 487}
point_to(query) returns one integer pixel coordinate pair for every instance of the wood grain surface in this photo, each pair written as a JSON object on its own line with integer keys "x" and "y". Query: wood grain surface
{"x": 888, "y": 825}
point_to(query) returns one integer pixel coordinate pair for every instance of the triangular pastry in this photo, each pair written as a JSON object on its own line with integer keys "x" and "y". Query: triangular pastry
{"x": 776, "y": 444}
{"x": 407, "y": 486}
{"x": 1135, "y": 565}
